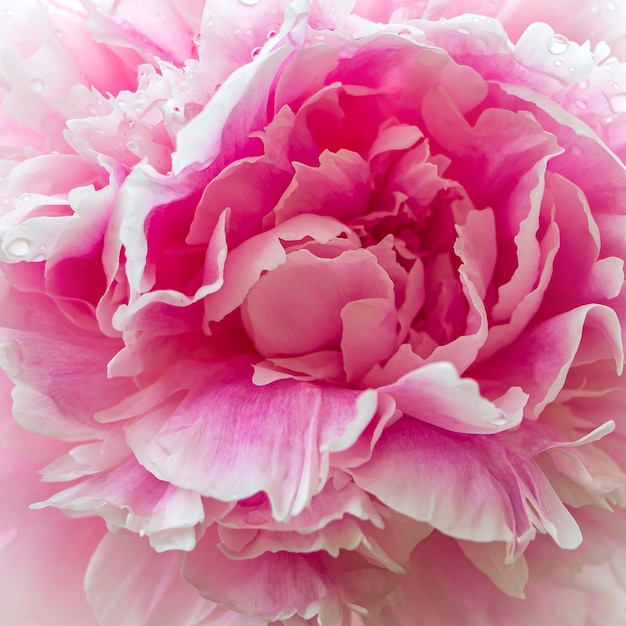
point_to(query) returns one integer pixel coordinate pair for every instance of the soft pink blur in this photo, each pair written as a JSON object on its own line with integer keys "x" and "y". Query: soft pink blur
{"x": 312, "y": 313}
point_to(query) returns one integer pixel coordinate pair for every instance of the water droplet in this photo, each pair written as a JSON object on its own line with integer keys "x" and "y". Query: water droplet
{"x": 25, "y": 198}
{"x": 405, "y": 32}
{"x": 19, "y": 247}
{"x": 197, "y": 39}
{"x": 249, "y": 3}
{"x": 581, "y": 104}
{"x": 500, "y": 418}
{"x": 132, "y": 146}
{"x": 476, "y": 19}
{"x": 463, "y": 31}
{"x": 248, "y": 32}
{"x": 271, "y": 34}
{"x": 36, "y": 85}
{"x": 615, "y": 85}
{"x": 618, "y": 103}
{"x": 217, "y": 87}
{"x": 121, "y": 104}
{"x": 608, "y": 120}
{"x": 571, "y": 69}
{"x": 611, "y": 6}
{"x": 39, "y": 258}
{"x": 319, "y": 37}
{"x": 558, "y": 63}
{"x": 498, "y": 421}
{"x": 255, "y": 52}
{"x": 558, "y": 45}
{"x": 210, "y": 22}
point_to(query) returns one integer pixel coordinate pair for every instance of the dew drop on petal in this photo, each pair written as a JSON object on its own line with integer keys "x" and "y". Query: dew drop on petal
{"x": 558, "y": 63}
{"x": 36, "y": 85}
{"x": 463, "y": 31}
{"x": 25, "y": 198}
{"x": 197, "y": 39}
{"x": 558, "y": 44}
{"x": 476, "y": 19}
{"x": 217, "y": 87}
{"x": 581, "y": 104}
{"x": 611, "y": 6}
{"x": 615, "y": 85}
{"x": 249, "y": 3}
{"x": 500, "y": 419}
{"x": 255, "y": 52}
{"x": 271, "y": 34}
{"x": 19, "y": 247}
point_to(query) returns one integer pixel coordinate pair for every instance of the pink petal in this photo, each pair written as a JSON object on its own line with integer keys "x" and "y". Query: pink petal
{"x": 338, "y": 186}
{"x": 59, "y": 384}
{"x": 129, "y": 584}
{"x": 130, "y": 497}
{"x": 299, "y": 307}
{"x": 43, "y": 555}
{"x": 557, "y": 340}
{"x": 245, "y": 264}
{"x": 440, "y": 570}
{"x": 278, "y": 443}
{"x": 471, "y": 487}
{"x": 435, "y": 394}
{"x": 362, "y": 321}
{"x": 250, "y": 188}
{"x": 316, "y": 584}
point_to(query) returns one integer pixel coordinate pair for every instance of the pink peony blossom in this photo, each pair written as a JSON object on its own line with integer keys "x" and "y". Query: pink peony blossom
{"x": 312, "y": 312}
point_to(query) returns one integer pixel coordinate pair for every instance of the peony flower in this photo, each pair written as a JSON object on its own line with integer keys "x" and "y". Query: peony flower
{"x": 312, "y": 312}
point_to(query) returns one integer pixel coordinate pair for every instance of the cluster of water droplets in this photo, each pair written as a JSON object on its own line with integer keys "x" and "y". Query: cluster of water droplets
{"x": 616, "y": 96}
